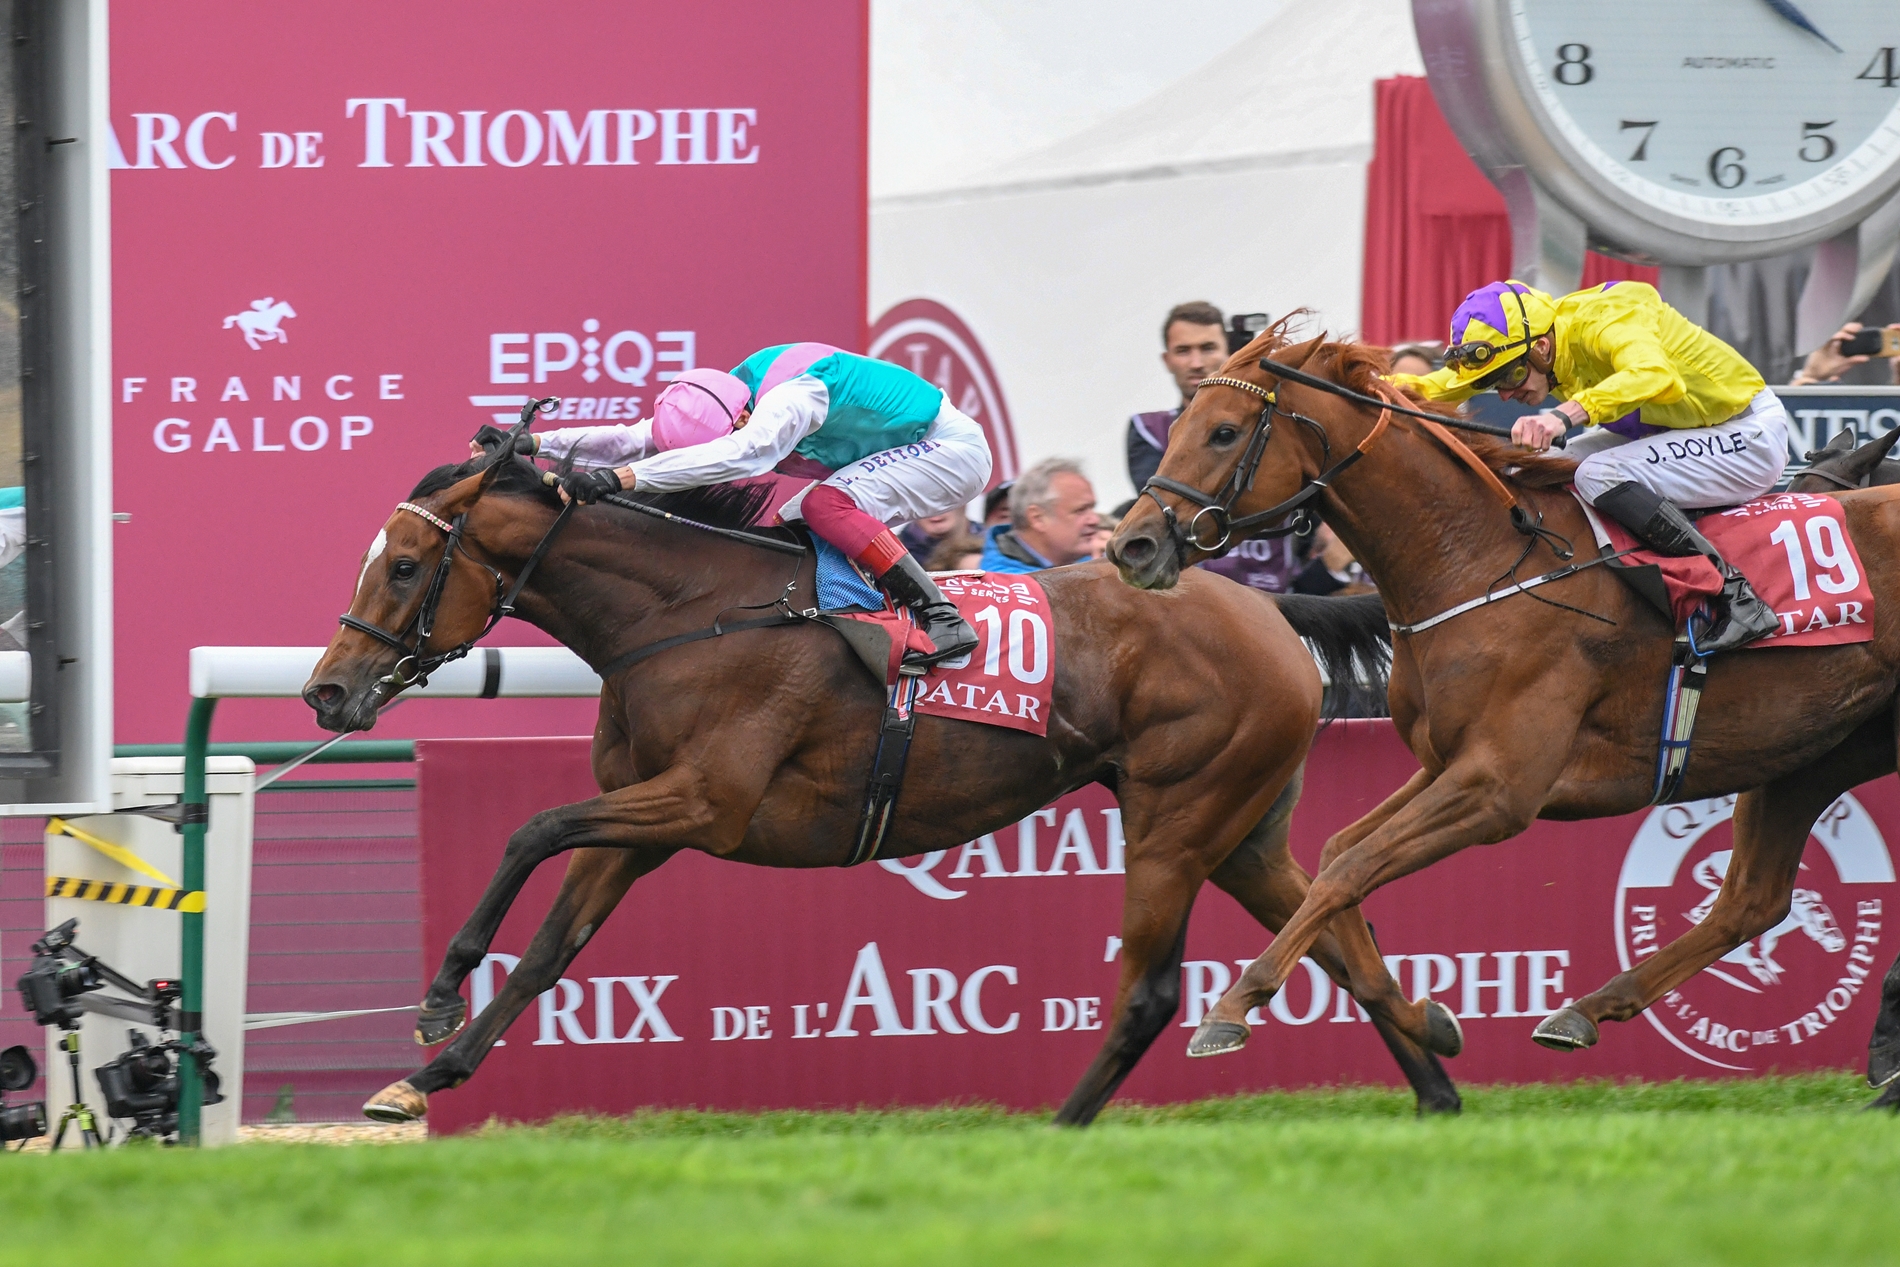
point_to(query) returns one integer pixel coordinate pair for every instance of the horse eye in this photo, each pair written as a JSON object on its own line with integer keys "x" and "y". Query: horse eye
{"x": 404, "y": 569}
{"x": 1224, "y": 435}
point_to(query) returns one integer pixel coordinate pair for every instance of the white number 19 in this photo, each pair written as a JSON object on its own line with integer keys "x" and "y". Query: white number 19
{"x": 1829, "y": 544}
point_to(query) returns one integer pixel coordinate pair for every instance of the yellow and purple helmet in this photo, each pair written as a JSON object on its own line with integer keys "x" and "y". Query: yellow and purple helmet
{"x": 1492, "y": 330}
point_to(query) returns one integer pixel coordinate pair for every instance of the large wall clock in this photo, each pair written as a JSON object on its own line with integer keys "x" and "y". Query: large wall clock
{"x": 1680, "y": 132}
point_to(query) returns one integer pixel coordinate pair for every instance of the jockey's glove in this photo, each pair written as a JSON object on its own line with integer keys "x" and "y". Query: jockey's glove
{"x": 491, "y": 437}
{"x": 587, "y": 487}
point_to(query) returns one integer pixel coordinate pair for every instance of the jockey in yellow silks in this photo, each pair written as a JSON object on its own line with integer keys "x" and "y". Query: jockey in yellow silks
{"x": 1676, "y": 418}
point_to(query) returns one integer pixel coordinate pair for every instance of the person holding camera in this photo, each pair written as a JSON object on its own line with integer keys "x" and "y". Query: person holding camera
{"x": 1853, "y": 344}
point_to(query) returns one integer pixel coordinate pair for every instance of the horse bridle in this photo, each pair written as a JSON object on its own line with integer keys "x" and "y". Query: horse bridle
{"x": 414, "y": 667}
{"x": 1219, "y": 507}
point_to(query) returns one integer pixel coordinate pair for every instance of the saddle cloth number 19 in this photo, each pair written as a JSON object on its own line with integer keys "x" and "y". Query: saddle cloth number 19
{"x": 1795, "y": 550}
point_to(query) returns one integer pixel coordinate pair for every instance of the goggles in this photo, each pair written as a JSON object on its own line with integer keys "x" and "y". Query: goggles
{"x": 1476, "y": 355}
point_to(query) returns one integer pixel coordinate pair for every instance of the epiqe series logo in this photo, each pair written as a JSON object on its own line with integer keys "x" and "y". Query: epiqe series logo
{"x": 1791, "y": 983}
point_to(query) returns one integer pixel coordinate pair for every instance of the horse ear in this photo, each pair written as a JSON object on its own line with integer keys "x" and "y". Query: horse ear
{"x": 1841, "y": 443}
{"x": 1882, "y": 447}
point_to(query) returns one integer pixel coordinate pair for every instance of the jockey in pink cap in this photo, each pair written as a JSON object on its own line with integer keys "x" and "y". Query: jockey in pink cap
{"x": 884, "y": 446}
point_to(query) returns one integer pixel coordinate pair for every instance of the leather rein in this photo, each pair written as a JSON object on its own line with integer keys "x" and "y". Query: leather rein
{"x": 414, "y": 668}
{"x": 1297, "y": 509}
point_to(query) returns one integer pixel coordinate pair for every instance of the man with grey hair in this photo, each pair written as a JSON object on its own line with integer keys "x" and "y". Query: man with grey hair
{"x": 1052, "y": 520}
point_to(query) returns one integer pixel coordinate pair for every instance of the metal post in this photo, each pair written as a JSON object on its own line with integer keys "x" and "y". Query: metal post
{"x": 194, "y": 817}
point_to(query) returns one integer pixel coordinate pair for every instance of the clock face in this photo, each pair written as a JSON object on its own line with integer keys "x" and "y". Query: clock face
{"x": 1749, "y": 113}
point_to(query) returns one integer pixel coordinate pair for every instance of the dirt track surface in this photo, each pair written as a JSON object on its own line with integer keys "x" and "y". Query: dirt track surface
{"x": 307, "y": 1133}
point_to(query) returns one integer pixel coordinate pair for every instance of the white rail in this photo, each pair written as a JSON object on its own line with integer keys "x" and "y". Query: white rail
{"x": 486, "y": 673}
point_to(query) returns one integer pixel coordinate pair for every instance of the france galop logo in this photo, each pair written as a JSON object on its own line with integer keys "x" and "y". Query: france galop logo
{"x": 262, "y": 322}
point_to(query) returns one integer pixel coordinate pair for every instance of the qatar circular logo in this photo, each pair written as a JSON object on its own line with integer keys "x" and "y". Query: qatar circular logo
{"x": 932, "y": 342}
{"x": 1794, "y": 983}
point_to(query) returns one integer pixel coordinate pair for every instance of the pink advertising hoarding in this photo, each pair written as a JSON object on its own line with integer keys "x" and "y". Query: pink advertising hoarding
{"x": 345, "y": 235}
{"x": 986, "y": 972}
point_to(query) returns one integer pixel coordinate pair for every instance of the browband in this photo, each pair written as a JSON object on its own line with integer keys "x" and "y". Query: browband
{"x": 429, "y": 515}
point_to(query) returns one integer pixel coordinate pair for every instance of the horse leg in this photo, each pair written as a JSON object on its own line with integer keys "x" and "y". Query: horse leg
{"x": 672, "y": 796}
{"x": 1165, "y": 869}
{"x": 1159, "y": 899}
{"x": 1771, "y": 830}
{"x": 1263, "y": 877}
{"x": 1473, "y": 801}
{"x": 596, "y": 881}
{"x": 1883, "y": 1050}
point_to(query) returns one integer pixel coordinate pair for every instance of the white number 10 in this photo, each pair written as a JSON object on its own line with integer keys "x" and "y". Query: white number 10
{"x": 1027, "y": 634}
{"x": 1829, "y": 544}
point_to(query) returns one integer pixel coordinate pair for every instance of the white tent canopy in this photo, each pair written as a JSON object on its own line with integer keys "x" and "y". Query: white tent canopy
{"x": 1242, "y": 183}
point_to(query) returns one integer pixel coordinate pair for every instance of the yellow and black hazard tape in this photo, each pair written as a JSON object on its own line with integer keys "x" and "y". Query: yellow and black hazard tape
{"x": 191, "y": 901}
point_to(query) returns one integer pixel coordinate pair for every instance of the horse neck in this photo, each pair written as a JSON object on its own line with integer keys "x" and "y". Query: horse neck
{"x": 608, "y": 586}
{"x": 1419, "y": 520}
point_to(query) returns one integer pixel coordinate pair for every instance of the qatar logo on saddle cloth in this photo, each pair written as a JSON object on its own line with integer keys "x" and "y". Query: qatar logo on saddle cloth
{"x": 1792, "y": 547}
{"x": 1009, "y": 679}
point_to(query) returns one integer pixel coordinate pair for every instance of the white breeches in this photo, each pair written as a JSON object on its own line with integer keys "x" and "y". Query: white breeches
{"x": 946, "y": 469}
{"x": 1695, "y": 468}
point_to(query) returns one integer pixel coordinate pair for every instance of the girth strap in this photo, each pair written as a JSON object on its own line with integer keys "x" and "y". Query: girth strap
{"x": 631, "y": 658}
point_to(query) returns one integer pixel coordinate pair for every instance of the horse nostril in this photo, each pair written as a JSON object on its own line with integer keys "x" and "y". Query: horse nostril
{"x": 1137, "y": 551}
{"x": 323, "y": 695}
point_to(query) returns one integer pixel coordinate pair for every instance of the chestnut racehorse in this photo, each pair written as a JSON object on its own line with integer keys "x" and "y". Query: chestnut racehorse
{"x": 1196, "y": 709}
{"x": 1545, "y": 704}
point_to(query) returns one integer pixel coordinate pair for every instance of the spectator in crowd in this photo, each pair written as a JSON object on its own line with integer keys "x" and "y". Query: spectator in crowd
{"x": 1052, "y": 520}
{"x": 958, "y": 552}
{"x": 924, "y": 536}
{"x": 1331, "y": 569}
{"x": 1416, "y": 358}
{"x": 1193, "y": 346}
{"x": 996, "y": 505}
{"x": 1826, "y": 364}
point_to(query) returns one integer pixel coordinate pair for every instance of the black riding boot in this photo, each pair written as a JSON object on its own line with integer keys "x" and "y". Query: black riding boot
{"x": 1661, "y": 525}
{"x": 937, "y": 616}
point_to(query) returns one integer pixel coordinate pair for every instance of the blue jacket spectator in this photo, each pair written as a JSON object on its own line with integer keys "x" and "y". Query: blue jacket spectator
{"x": 1052, "y": 520}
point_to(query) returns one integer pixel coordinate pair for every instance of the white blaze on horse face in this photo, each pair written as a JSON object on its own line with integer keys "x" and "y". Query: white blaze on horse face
{"x": 376, "y": 549}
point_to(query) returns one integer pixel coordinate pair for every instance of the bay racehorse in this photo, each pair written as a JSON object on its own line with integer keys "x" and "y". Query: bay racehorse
{"x": 1195, "y": 708}
{"x": 1545, "y": 704}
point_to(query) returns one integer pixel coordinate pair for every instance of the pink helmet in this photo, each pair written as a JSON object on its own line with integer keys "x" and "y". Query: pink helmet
{"x": 699, "y": 405}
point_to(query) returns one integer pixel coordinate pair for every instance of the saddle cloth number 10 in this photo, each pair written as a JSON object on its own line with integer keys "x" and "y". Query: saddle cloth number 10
{"x": 1010, "y": 678}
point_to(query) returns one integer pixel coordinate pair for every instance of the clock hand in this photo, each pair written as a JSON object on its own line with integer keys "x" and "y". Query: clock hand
{"x": 1787, "y": 10}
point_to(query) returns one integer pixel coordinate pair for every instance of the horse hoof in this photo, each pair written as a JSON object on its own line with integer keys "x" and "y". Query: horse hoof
{"x": 397, "y": 1103}
{"x": 1443, "y": 1034}
{"x": 1565, "y": 1030}
{"x": 1888, "y": 1099}
{"x": 435, "y": 1025}
{"x": 1217, "y": 1038}
{"x": 1883, "y": 1064}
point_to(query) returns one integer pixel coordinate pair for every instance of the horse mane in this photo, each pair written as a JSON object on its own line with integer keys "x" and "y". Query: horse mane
{"x": 736, "y": 506}
{"x": 1359, "y": 366}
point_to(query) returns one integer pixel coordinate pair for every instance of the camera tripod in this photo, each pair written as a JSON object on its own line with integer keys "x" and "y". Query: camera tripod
{"x": 77, "y": 1111}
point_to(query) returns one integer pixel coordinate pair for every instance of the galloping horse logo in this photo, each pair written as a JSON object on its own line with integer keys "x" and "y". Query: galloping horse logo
{"x": 1770, "y": 995}
{"x": 263, "y": 323}
{"x": 1808, "y": 913}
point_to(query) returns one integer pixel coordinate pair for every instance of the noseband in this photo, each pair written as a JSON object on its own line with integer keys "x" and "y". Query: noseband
{"x": 414, "y": 667}
{"x": 1218, "y": 509}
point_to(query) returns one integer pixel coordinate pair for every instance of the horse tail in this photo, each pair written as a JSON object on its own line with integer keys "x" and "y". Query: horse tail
{"x": 1352, "y": 641}
{"x": 229, "y": 322}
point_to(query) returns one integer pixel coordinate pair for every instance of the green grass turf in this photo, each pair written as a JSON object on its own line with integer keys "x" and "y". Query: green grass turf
{"x": 1779, "y": 1170}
